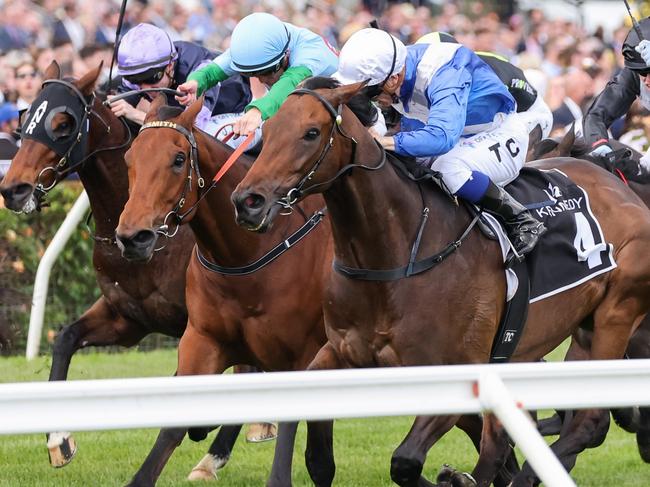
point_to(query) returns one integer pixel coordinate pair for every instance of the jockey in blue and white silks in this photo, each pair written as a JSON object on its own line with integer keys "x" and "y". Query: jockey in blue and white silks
{"x": 458, "y": 118}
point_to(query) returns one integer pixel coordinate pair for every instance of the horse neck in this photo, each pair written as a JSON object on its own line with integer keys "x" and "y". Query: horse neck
{"x": 217, "y": 234}
{"x": 104, "y": 176}
{"x": 376, "y": 215}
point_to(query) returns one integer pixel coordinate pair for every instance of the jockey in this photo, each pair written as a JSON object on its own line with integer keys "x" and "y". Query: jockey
{"x": 632, "y": 82}
{"x": 279, "y": 54}
{"x": 458, "y": 118}
{"x": 147, "y": 58}
{"x": 531, "y": 107}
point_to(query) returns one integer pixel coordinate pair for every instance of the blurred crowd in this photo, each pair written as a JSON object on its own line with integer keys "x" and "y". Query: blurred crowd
{"x": 567, "y": 64}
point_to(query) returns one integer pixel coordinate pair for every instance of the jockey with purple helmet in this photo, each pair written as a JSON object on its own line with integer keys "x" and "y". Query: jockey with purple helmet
{"x": 279, "y": 54}
{"x": 147, "y": 58}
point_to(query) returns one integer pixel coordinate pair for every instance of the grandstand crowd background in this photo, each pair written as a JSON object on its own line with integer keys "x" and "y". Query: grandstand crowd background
{"x": 567, "y": 63}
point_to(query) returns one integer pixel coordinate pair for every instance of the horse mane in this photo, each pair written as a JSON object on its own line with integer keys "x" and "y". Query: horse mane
{"x": 579, "y": 149}
{"x": 167, "y": 112}
{"x": 360, "y": 104}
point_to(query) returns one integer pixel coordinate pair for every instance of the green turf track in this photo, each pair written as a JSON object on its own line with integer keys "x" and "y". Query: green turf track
{"x": 362, "y": 447}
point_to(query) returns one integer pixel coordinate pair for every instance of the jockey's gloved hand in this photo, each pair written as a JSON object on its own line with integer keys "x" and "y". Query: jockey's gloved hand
{"x": 601, "y": 151}
{"x": 643, "y": 48}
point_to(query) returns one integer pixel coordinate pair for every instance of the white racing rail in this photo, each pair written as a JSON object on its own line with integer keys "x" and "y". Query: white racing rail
{"x": 285, "y": 396}
{"x": 42, "y": 281}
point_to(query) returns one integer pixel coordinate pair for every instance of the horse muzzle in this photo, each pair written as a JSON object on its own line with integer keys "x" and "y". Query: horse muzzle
{"x": 17, "y": 196}
{"x": 138, "y": 246}
{"x": 253, "y": 211}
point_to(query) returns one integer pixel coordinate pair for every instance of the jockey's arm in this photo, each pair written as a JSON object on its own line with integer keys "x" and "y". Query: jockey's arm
{"x": 208, "y": 76}
{"x": 270, "y": 103}
{"x": 448, "y": 96}
{"x": 613, "y": 102}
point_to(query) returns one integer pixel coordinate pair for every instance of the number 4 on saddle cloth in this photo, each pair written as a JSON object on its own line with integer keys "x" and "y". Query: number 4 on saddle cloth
{"x": 571, "y": 252}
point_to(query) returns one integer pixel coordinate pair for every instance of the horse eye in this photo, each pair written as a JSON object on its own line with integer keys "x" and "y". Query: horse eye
{"x": 179, "y": 160}
{"x": 311, "y": 134}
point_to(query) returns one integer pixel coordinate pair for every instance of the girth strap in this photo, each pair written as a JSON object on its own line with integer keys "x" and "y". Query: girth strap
{"x": 271, "y": 255}
{"x": 411, "y": 269}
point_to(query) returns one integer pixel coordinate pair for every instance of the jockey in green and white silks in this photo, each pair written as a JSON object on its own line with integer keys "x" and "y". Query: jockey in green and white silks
{"x": 279, "y": 54}
{"x": 458, "y": 118}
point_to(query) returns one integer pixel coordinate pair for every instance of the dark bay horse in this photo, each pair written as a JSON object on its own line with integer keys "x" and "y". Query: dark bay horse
{"x": 137, "y": 298}
{"x": 450, "y": 314}
{"x": 254, "y": 318}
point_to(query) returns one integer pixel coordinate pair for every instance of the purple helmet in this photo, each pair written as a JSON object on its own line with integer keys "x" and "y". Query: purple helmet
{"x": 143, "y": 48}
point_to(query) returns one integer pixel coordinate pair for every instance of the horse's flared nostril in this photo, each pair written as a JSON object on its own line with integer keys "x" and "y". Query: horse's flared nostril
{"x": 137, "y": 246}
{"x": 17, "y": 193}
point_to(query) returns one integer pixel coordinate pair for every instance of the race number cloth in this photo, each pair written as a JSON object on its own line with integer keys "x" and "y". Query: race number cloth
{"x": 573, "y": 250}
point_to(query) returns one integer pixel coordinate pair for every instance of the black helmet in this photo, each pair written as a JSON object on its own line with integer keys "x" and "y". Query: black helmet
{"x": 633, "y": 59}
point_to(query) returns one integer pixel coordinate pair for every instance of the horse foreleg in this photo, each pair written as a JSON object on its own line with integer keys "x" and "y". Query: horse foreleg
{"x": 99, "y": 325}
{"x": 495, "y": 451}
{"x": 218, "y": 454}
{"x": 472, "y": 425}
{"x": 197, "y": 355}
{"x": 319, "y": 452}
{"x": 408, "y": 459}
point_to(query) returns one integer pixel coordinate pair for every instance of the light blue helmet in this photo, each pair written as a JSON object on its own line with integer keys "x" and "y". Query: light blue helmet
{"x": 258, "y": 42}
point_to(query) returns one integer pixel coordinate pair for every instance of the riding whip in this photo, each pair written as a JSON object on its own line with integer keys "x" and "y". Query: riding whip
{"x": 635, "y": 24}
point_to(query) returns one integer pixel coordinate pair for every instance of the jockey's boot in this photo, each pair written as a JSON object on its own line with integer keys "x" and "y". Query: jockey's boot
{"x": 523, "y": 228}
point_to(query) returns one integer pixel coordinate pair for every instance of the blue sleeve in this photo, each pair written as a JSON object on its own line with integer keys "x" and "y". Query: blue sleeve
{"x": 447, "y": 94}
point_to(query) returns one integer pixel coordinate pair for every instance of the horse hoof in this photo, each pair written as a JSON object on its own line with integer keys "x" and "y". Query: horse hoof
{"x": 206, "y": 469}
{"x": 643, "y": 442}
{"x": 260, "y": 432}
{"x": 450, "y": 477}
{"x": 61, "y": 448}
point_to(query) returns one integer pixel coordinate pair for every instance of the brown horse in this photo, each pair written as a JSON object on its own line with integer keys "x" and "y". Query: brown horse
{"x": 137, "y": 298}
{"x": 430, "y": 319}
{"x": 632, "y": 420}
{"x": 251, "y": 318}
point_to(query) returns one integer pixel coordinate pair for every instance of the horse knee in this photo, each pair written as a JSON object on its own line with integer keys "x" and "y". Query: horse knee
{"x": 66, "y": 340}
{"x": 600, "y": 429}
{"x": 405, "y": 470}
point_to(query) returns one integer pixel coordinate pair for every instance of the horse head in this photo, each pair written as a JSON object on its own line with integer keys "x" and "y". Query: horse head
{"x": 164, "y": 179}
{"x": 55, "y": 137}
{"x": 305, "y": 152}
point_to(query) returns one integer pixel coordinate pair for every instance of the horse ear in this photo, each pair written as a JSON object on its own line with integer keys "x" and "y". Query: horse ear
{"x": 564, "y": 148}
{"x": 87, "y": 82}
{"x": 545, "y": 149}
{"x": 53, "y": 71}
{"x": 155, "y": 105}
{"x": 186, "y": 119}
{"x": 342, "y": 94}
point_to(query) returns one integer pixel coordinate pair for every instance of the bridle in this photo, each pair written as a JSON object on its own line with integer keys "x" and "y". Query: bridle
{"x": 192, "y": 168}
{"x": 66, "y": 162}
{"x": 299, "y": 190}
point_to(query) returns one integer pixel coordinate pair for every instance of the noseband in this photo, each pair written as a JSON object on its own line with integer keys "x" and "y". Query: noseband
{"x": 298, "y": 191}
{"x": 193, "y": 167}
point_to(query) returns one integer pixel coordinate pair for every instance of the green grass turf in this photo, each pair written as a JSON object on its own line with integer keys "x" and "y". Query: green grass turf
{"x": 362, "y": 447}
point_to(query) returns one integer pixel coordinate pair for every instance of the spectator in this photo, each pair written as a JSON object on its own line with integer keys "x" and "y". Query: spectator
{"x": 8, "y": 142}
{"x": 28, "y": 83}
{"x": 579, "y": 88}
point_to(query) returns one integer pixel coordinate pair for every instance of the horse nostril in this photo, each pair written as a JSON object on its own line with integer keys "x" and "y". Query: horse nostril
{"x": 143, "y": 237}
{"x": 17, "y": 192}
{"x": 254, "y": 201}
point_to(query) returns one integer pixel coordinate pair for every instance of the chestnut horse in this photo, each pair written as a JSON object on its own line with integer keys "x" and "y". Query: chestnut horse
{"x": 450, "y": 314}
{"x": 137, "y": 298}
{"x": 252, "y": 318}
{"x": 635, "y": 420}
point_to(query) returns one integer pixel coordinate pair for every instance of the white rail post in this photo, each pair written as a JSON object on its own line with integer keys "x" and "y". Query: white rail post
{"x": 495, "y": 397}
{"x": 42, "y": 280}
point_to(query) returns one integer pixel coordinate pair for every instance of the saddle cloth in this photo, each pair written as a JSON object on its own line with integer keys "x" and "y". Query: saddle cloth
{"x": 573, "y": 250}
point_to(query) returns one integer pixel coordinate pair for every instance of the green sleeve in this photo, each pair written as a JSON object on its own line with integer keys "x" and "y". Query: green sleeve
{"x": 208, "y": 76}
{"x": 270, "y": 103}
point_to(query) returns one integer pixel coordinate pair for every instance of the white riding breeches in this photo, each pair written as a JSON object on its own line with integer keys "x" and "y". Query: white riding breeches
{"x": 538, "y": 114}
{"x": 216, "y": 122}
{"x": 498, "y": 152}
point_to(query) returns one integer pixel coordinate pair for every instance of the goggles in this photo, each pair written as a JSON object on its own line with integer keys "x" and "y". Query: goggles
{"x": 264, "y": 72}
{"x": 149, "y": 77}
